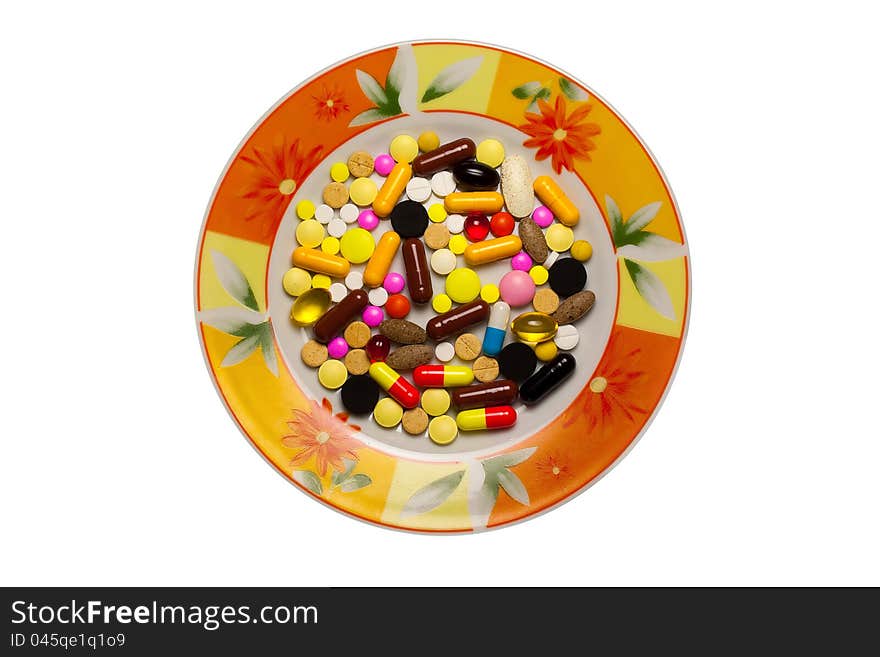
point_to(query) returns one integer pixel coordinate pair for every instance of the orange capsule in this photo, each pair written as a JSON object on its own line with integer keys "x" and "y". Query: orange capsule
{"x": 380, "y": 261}
{"x": 323, "y": 263}
{"x": 391, "y": 189}
{"x": 479, "y": 253}
{"x": 464, "y": 202}
{"x": 551, "y": 195}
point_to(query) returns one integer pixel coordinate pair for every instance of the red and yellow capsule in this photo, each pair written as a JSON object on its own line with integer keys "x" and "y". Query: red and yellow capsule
{"x": 494, "y": 417}
{"x": 401, "y": 390}
{"x": 442, "y": 376}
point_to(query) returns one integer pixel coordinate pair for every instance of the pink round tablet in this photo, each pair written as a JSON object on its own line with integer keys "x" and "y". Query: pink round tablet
{"x": 542, "y": 216}
{"x": 368, "y": 220}
{"x": 517, "y": 288}
{"x": 383, "y": 164}
{"x": 373, "y": 315}
{"x": 394, "y": 282}
{"x": 337, "y": 348}
{"x": 521, "y": 261}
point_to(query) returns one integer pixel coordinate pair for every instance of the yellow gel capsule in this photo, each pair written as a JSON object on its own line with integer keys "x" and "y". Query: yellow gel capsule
{"x": 391, "y": 189}
{"x": 380, "y": 261}
{"x": 435, "y": 401}
{"x": 305, "y": 209}
{"x": 310, "y": 306}
{"x": 534, "y": 327}
{"x": 479, "y": 253}
{"x": 551, "y": 195}
{"x": 582, "y": 250}
{"x": 458, "y": 244}
{"x": 465, "y": 202}
{"x": 441, "y": 303}
{"x": 320, "y": 262}
{"x": 321, "y": 281}
{"x": 330, "y": 245}
{"x": 309, "y": 233}
{"x": 387, "y": 413}
{"x": 296, "y": 281}
{"x": 539, "y": 274}
{"x": 490, "y": 152}
{"x": 546, "y": 351}
{"x": 362, "y": 192}
{"x": 339, "y": 172}
{"x": 490, "y": 293}
{"x": 442, "y": 430}
{"x": 428, "y": 141}
{"x": 559, "y": 237}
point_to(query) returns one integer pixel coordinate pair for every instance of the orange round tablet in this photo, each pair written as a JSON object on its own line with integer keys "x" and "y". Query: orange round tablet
{"x": 397, "y": 306}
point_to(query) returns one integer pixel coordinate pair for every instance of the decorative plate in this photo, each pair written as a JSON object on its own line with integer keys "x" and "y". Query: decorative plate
{"x": 630, "y": 341}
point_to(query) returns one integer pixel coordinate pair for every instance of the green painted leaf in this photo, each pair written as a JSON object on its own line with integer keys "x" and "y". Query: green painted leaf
{"x": 509, "y": 459}
{"x": 356, "y": 482}
{"x": 369, "y": 116}
{"x": 527, "y": 90}
{"x": 543, "y": 94}
{"x": 234, "y": 281}
{"x": 233, "y": 320}
{"x": 571, "y": 90}
{"x": 241, "y": 350}
{"x": 650, "y": 288}
{"x": 616, "y": 219}
{"x": 513, "y": 486}
{"x": 394, "y": 79}
{"x": 339, "y": 477}
{"x": 650, "y": 247}
{"x": 371, "y": 87}
{"x": 308, "y": 479}
{"x": 268, "y": 347}
{"x": 433, "y": 495}
{"x": 642, "y": 217}
{"x": 451, "y": 78}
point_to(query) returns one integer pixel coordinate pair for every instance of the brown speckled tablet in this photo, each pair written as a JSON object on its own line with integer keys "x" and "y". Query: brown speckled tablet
{"x": 313, "y": 353}
{"x": 415, "y": 421}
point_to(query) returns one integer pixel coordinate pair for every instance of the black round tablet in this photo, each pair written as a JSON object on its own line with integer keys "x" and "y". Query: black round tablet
{"x": 360, "y": 394}
{"x": 517, "y": 361}
{"x": 567, "y": 277}
{"x": 409, "y": 219}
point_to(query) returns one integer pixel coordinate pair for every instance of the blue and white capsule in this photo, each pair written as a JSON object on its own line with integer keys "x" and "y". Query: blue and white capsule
{"x": 493, "y": 338}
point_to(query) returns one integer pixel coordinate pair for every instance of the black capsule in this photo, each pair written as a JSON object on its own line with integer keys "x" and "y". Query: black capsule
{"x": 517, "y": 361}
{"x": 567, "y": 277}
{"x": 473, "y": 176}
{"x": 547, "y": 379}
{"x": 409, "y": 219}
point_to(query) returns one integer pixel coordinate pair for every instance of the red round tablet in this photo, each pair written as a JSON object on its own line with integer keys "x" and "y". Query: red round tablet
{"x": 397, "y": 306}
{"x": 501, "y": 224}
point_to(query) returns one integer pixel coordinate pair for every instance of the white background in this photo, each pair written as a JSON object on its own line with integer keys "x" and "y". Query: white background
{"x": 120, "y": 466}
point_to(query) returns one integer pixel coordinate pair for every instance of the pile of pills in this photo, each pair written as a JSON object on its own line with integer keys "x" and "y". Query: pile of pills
{"x": 484, "y": 211}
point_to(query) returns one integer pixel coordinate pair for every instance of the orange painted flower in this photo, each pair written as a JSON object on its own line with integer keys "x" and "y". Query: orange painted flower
{"x": 565, "y": 138}
{"x": 552, "y": 467}
{"x": 319, "y": 433}
{"x": 329, "y": 104}
{"x": 277, "y": 174}
{"x": 614, "y": 391}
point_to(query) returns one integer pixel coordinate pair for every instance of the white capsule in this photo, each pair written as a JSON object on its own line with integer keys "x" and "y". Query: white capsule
{"x": 493, "y": 338}
{"x": 418, "y": 189}
{"x": 323, "y": 213}
{"x": 500, "y": 315}
{"x": 552, "y": 257}
{"x": 349, "y": 213}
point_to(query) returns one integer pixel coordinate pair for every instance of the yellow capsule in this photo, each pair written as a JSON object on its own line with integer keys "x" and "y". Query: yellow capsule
{"x": 551, "y": 195}
{"x": 320, "y": 262}
{"x": 392, "y": 188}
{"x": 464, "y": 202}
{"x": 479, "y": 253}
{"x": 534, "y": 327}
{"x": 380, "y": 262}
{"x": 310, "y": 306}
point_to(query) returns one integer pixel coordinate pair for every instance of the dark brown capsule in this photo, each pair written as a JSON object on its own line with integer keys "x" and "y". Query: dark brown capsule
{"x": 457, "y": 319}
{"x": 418, "y": 274}
{"x": 444, "y": 156}
{"x": 473, "y": 176}
{"x": 494, "y": 393}
{"x": 335, "y": 319}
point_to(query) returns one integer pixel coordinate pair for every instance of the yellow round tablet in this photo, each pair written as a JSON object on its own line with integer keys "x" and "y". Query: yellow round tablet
{"x": 441, "y": 303}
{"x": 305, "y": 209}
{"x": 296, "y": 281}
{"x": 309, "y": 233}
{"x": 539, "y": 274}
{"x": 582, "y": 250}
{"x": 387, "y": 413}
{"x": 437, "y": 213}
{"x": 332, "y": 374}
{"x": 490, "y": 293}
{"x": 457, "y": 244}
{"x": 463, "y": 285}
{"x": 357, "y": 245}
{"x": 559, "y": 237}
{"x": 435, "y": 401}
{"x": 330, "y": 245}
{"x": 442, "y": 430}
{"x": 490, "y": 152}
{"x": 428, "y": 141}
{"x": 321, "y": 282}
{"x": 339, "y": 171}
{"x": 546, "y": 351}
{"x": 362, "y": 191}
{"x": 404, "y": 148}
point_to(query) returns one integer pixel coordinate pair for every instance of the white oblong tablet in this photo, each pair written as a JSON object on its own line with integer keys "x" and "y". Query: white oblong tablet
{"x": 418, "y": 189}
{"x": 567, "y": 337}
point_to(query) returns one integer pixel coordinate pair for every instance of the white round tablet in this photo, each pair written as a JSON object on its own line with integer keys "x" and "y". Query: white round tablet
{"x": 354, "y": 280}
{"x": 337, "y": 292}
{"x": 378, "y": 296}
{"x": 567, "y": 337}
{"x": 337, "y": 227}
{"x": 349, "y": 213}
{"x": 418, "y": 189}
{"x": 444, "y": 352}
{"x": 443, "y": 261}
{"x": 443, "y": 183}
{"x": 323, "y": 213}
{"x": 455, "y": 223}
